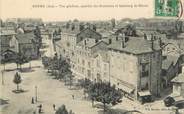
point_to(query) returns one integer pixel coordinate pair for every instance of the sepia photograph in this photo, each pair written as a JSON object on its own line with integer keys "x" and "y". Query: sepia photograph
{"x": 76, "y": 65}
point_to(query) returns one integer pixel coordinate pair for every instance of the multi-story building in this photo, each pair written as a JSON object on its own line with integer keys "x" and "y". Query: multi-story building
{"x": 135, "y": 66}
{"x": 91, "y": 63}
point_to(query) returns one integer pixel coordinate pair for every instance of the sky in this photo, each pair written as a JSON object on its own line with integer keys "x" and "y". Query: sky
{"x": 24, "y": 9}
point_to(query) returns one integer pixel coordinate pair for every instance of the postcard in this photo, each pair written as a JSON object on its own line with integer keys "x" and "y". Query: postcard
{"x": 91, "y": 57}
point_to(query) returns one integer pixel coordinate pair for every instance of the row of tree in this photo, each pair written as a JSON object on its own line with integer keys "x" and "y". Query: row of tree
{"x": 59, "y": 67}
{"x": 19, "y": 59}
{"x": 97, "y": 91}
{"x": 102, "y": 92}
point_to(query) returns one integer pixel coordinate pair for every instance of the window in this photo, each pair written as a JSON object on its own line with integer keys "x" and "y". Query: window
{"x": 72, "y": 53}
{"x": 145, "y": 71}
{"x": 145, "y": 74}
{"x": 97, "y": 63}
{"x": 89, "y": 64}
{"x": 83, "y": 62}
{"x": 89, "y": 73}
{"x": 83, "y": 70}
{"x": 105, "y": 67}
{"x": 78, "y": 60}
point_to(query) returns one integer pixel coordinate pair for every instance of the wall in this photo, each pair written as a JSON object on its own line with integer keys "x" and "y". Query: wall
{"x": 123, "y": 67}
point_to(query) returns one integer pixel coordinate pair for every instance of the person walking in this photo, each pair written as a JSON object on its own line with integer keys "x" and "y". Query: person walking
{"x": 54, "y": 106}
{"x": 32, "y": 100}
{"x": 72, "y": 96}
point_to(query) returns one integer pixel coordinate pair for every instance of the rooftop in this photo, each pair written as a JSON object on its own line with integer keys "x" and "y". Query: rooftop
{"x": 166, "y": 63}
{"x": 179, "y": 78}
{"x": 25, "y": 38}
{"x": 135, "y": 45}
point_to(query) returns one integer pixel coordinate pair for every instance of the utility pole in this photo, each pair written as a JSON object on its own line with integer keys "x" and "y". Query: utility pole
{"x": 36, "y": 94}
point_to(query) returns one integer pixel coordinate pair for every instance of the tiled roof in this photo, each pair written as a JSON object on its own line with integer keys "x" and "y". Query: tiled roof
{"x": 179, "y": 78}
{"x": 25, "y": 38}
{"x": 89, "y": 33}
{"x": 7, "y": 32}
{"x": 135, "y": 45}
{"x": 90, "y": 44}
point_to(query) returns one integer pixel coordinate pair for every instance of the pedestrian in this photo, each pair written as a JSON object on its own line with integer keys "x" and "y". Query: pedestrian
{"x": 32, "y": 100}
{"x": 39, "y": 110}
{"x": 54, "y": 106}
{"x": 73, "y": 96}
{"x": 40, "y": 106}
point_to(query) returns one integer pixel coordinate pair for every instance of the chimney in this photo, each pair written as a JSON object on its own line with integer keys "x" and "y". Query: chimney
{"x": 122, "y": 37}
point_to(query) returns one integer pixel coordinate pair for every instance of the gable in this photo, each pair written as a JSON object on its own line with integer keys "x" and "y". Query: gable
{"x": 88, "y": 33}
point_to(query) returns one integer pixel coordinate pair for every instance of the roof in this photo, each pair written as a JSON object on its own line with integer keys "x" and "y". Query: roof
{"x": 5, "y": 40}
{"x": 89, "y": 33}
{"x": 179, "y": 78}
{"x": 135, "y": 45}
{"x": 166, "y": 63}
{"x": 90, "y": 43}
{"x": 7, "y": 32}
{"x": 104, "y": 33}
{"x": 147, "y": 32}
{"x": 25, "y": 38}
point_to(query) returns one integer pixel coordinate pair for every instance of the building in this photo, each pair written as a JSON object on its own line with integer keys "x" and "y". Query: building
{"x": 5, "y": 36}
{"x": 25, "y": 44}
{"x": 135, "y": 66}
{"x": 91, "y": 63}
{"x": 170, "y": 68}
{"x": 178, "y": 85}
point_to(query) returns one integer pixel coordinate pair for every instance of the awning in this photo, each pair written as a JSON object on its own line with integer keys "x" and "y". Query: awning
{"x": 144, "y": 93}
{"x": 125, "y": 88}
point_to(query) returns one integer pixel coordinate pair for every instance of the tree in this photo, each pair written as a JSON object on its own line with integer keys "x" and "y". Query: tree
{"x": 61, "y": 110}
{"x": 17, "y": 80}
{"x": 21, "y": 59}
{"x": 81, "y": 27}
{"x": 105, "y": 93}
{"x": 38, "y": 38}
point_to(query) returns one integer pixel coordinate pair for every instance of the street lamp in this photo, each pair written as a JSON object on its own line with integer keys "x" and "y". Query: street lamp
{"x": 36, "y": 95}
